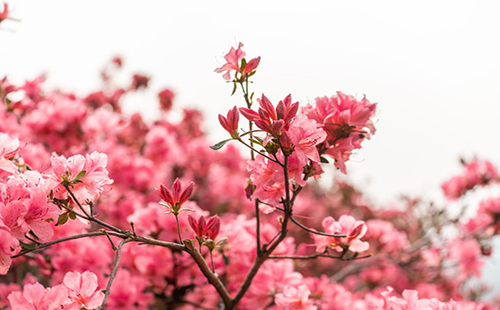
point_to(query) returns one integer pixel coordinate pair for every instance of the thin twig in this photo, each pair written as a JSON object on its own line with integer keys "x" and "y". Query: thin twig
{"x": 315, "y": 231}
{"x": 260, "y": 153}
{"x": 314, "y": 256}
{"x": 113, "y": 273}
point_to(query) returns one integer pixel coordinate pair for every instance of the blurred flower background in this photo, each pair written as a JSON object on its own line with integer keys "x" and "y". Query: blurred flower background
{"x": 432, "y": 67}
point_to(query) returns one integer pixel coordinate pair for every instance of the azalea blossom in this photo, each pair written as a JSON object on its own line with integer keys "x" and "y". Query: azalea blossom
{"x": 233, "y": 60}
{"x": 346, "y": 225}
{"x": 37, "y": 297}
{"x": 83, "y": 290}
{"x": 295, "y": 298}
{"x": 86, "y": 175}
{"x": 230, "y": 123}
{"x": 176, "y": 197}
{"x": 9, "y": 147}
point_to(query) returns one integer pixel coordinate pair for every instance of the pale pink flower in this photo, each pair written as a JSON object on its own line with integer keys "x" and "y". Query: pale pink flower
{"x": 347, "y": 123}
{"x": 9, "y": 246}
{"x": 233, "y": 59}
{"x": 9, "y": 148}
{"x": 346, "y": 225}
{"x": 83, "y": 290}
{"x": 39, "y": 213}
{"x": 37, "y": 297}
{"x": 295, "y": 298}
{"x": 87, "y": 175}
{"x": 305, "y": 136}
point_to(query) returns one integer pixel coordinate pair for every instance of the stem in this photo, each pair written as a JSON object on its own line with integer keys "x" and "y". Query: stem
{"x": 211, "y": 277}
{"x": 113, "y": 273}
{"x": 265, "y": 255}
{"x": 314, "y": 231}
{"x": 178, "y": 228}
{"x": 257, "y": 229}
{"x": 313, "y": 256}
{"x": 212, "y": 260}
{"x": 260, "y": 153}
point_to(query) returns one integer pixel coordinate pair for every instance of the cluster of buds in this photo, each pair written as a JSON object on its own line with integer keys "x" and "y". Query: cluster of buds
{"x": 175, "y": 198}
{"x": 206, "y": 231}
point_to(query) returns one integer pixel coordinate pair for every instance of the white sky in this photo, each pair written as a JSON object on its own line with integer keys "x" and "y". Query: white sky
{"x": 433, "y": 67}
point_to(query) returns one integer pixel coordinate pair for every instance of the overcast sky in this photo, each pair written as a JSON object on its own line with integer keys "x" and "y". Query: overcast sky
{"x": 432, "y": 67}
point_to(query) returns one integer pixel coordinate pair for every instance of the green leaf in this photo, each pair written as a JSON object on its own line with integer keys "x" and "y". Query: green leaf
{"x": 27, "y": 246}
{"x": 252, "y": 73}
{"x": 63, "y": 218}
{"x": 80, "y": 175}
{"x": 219, "y": 145}
{"x": 234, "y": 88}
{"x": 226, "y": 259}
{"x": 324, "y": 160}
{"x": 72, "y": 216}
{"x": 243, "y": 65}
{"x": 256, "y": 141}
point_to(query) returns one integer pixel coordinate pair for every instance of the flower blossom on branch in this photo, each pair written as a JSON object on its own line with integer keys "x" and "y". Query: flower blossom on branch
{"x": 235, "y": 62}
{"x": 175, "y": 198}
{"x": 346, "y": 225}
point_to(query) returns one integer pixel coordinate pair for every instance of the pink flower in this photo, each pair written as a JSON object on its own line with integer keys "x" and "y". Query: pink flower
{"x": 83, "y": 290}
{"x": 233, "y": 59}
{"x": 177, "y": 197}
{"x": 166, "y": 98}
{"x": 347, "y": 123}
{"x": 5, "y": 14}
{"x": 269, "y": 119}
{"x": 9, "y": 148}
{"x": 9, "y": 246}
{"x": 39, "y": 213}
{"x": 139, "y": 81}
{"x": 305, "y": 135}
{"x": 86, "y": 175}
{"x": 251, "y": 66}
{"x": 230, "y": 123}
{"x": 37, "y": 297}
{"x": 477, "y": 173}
{"x": 205, "y": 229}
{"x": 346, "y": 225}
{"x": 295, "y": 298}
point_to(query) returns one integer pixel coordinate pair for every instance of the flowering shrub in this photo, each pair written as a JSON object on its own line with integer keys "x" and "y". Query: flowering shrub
{"x": 100, "y": 209}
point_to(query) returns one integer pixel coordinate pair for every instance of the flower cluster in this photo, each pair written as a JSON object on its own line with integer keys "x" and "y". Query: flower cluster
{"x": 477, "y": 173}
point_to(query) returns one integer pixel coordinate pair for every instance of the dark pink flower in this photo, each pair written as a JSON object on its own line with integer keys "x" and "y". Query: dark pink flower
{"x": 205, "y": 229}
{"x": 177, "y": 197}
{"x": 166, "y": 98}
{"x": 269, "y": 119}
{"x": 230, "y": 123}
{"x": 5, "y": 14}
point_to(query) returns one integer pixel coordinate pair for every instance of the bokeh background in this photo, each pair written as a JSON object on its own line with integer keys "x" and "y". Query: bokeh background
{"x": 432, "y": 66}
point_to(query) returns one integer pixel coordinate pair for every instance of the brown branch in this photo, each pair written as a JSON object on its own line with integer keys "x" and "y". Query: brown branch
{"x": 211, "y": 277}
{"x": 314, "y": 231}
{"x": 314, "y": 256}
{"x": 113, "y": 273}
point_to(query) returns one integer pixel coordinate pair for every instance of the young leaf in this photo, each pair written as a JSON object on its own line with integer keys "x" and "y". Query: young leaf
{"x": 219, "y": 145}
{"x": 234, "y": 88}
{"x": 80, "y": 175}
{"x": 63, "y": 218}
{"x": 27, "y": 246}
